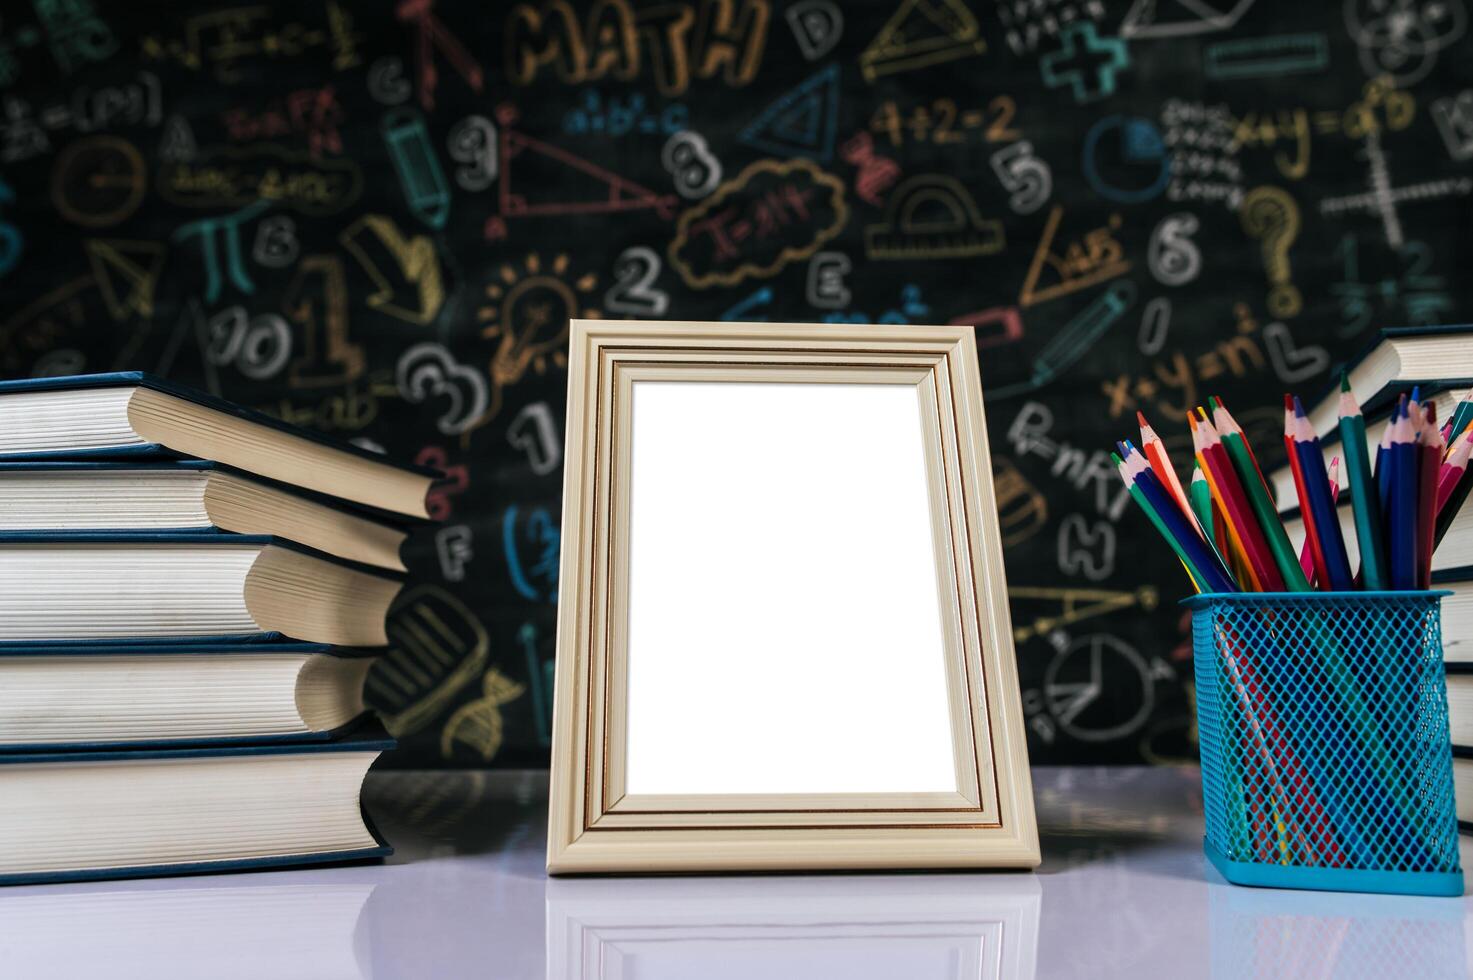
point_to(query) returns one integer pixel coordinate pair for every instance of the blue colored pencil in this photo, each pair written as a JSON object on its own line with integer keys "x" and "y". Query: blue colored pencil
{"x": 1319, "y": 507}
{"x": 1206, "y": 561}
{"x": 1401, "y": 458}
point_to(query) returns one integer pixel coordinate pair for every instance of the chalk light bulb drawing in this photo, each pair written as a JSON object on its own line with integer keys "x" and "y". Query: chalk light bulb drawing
{"x": 528, "y": 314}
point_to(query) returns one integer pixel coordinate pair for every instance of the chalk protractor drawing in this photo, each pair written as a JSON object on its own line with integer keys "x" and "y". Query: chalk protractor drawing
{"x": 931, "y": 216}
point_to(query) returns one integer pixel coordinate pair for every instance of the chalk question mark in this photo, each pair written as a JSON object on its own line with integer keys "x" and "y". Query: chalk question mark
{"x": 1270, "y": 215}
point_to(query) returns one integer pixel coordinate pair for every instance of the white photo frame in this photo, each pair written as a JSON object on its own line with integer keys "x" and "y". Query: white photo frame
{"x": 783, "y": 637}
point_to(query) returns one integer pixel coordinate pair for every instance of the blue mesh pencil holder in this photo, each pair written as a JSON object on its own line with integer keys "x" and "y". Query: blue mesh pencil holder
{"x": 1326, "y": 761}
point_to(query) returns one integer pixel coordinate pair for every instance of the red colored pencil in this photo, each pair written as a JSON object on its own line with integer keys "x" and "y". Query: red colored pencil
{"x": 1218, "y": 467}
{"x": 1429, "y": 455}
{"x": 1155, "y": 452}
{"x": 1454, "y": 466}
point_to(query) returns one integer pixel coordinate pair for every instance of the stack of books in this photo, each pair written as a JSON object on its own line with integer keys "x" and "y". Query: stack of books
{"x": 182, "y": 586}
{"x": 1438, "y": 362}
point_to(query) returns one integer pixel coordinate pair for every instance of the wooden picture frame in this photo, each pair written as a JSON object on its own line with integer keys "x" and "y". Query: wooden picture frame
{"x": 595, "y": 823}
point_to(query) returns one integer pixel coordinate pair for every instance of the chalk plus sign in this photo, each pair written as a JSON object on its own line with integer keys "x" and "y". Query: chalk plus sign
{"x": 1086, "y": 62}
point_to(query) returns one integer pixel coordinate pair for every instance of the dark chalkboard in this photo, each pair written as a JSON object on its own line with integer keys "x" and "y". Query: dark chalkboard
{"x": 376, "y": 220}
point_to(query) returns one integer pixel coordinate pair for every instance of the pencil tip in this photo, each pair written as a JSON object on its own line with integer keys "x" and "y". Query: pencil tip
{"x": 1288, "y": 402}
{"x": 1344, "y": 381}
{"x": 1298, "y": 406}
{"x": 1140, "y": 418}
{"x": 1416, "y": 393}
{"x": 1192, "y": 421}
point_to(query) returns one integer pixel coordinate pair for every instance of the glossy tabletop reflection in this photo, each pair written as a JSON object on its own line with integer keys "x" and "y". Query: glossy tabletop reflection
{"x": 1123, "y": 892}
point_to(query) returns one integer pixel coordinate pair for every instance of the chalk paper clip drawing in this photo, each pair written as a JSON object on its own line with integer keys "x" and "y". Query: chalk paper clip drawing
{"x": 478, "y": 723}
{"x": 802, "y": 122}
{"x": 932, "y": 216}
{"x": 436, "y": 647}
{"x": 922, "y": 33}
{"x": 420, "y": 176}
{"x": 1153, "y": 19}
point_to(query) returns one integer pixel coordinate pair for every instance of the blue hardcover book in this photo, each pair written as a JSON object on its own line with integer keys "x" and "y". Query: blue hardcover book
{"x": 79, "y": 816}
{"x": 88, "y": 586}
{"x": 168, "y": 495}
{"x": 148, "y": 694}
{"x": 131, "y": 414}
{"x": 1396, "y": 360}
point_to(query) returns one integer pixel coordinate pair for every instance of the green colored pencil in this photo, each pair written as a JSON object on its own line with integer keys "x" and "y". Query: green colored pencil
{"x": 1365, "y": 497}
{"x": 1258, "y": 499}
{"x": 1201, "y": 496}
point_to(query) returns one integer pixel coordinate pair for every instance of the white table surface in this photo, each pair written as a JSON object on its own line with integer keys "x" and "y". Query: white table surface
{"x": 1123, "y": 892}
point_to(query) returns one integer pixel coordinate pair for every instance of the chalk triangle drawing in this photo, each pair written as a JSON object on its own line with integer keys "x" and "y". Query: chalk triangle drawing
{"x": 922, "y": 33}
{"x": 1149, "y": 19}
{"x": 126, "y": 273}
{"x": 802, "y": 122}
{"x": 564, "y": 183}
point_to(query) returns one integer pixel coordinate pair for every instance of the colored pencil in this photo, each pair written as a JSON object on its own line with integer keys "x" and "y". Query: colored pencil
{"x": 1401, "y": 537}
{"x": 1200, "y": 494}
{"x": 1311, "y": 532}
{"x": 1240, "y": 454}
{"x": 1462, "y": 413}
{"x": 1449, "y": 511}
{"x": 1140, "y": 499}
{"x": 1365, "y": 498}
{"x": 1306, "y": 559}
{"x": 1155, "y": 451}
{"x": 1380, "y": 470}
{"x": 1316, "y": 506}
{"x": 1429, "y": 455}
{"x": 1228, "y": 490}
{"x": 1454, "y": 466}
{"x": 1183, "y": 538}
{"x": 1206, "y": 559}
